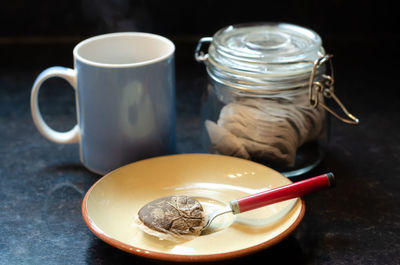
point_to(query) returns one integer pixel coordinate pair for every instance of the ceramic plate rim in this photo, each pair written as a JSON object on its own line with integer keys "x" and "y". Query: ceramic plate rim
{"x": 182, "y": 257}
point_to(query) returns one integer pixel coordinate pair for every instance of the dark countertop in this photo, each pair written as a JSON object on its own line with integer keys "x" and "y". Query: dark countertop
{"x": 42, "y": 184}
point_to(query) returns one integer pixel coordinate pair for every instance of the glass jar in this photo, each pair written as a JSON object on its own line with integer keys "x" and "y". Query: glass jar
{"x": 266, "y": 95}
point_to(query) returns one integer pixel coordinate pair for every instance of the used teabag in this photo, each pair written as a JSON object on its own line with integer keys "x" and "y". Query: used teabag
{"x": 173, "y": 218}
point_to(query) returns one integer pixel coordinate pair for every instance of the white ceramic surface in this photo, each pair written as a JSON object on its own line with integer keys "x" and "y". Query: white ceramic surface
{"x": 125, "y": 96}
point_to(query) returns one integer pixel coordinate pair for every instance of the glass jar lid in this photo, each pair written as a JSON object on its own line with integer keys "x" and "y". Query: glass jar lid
{"x": 271, "y": 58}
{"x": 272, "y": 49}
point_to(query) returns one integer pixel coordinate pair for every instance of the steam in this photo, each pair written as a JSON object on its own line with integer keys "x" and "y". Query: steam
{"x": 116, "y": 15}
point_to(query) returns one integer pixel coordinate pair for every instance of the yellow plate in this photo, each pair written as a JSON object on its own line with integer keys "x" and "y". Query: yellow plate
{"x": 111, "y": 204}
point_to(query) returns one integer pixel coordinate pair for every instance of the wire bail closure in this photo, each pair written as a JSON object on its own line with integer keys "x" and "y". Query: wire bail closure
{"x": 325, "y": 87}
{"x": 199, "y": 54}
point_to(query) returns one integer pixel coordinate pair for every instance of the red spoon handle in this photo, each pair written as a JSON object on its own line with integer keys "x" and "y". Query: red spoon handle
{"x": 283, "y": 193}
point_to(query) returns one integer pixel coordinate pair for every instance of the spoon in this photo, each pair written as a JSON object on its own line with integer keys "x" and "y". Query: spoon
{"x": 275, "y": 195}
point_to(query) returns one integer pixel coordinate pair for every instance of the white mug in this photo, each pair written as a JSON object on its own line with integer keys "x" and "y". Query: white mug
{"x": 125, "y": 94}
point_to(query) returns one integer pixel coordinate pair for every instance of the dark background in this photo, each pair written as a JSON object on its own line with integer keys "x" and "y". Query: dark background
{"x": 190, "y": 18}
{"x": 362, "y": 35}
{"x": 42, "y": 184}
{"x": 366, "y": 29}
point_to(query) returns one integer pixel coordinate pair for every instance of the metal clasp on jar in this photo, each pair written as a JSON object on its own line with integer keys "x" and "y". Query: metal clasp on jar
{"x": 325, "y": 87}
{"x": 199, "y": 54}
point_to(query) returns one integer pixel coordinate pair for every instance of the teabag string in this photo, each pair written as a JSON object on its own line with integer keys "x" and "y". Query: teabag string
{"x": 266, "y": 129}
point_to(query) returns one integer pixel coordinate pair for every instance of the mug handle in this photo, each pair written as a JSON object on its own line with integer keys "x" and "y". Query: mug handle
{"x": 69, "y": 137}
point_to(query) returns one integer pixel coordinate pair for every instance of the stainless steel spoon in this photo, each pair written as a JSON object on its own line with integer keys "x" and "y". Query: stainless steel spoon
{"x": 275, "y": 195}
